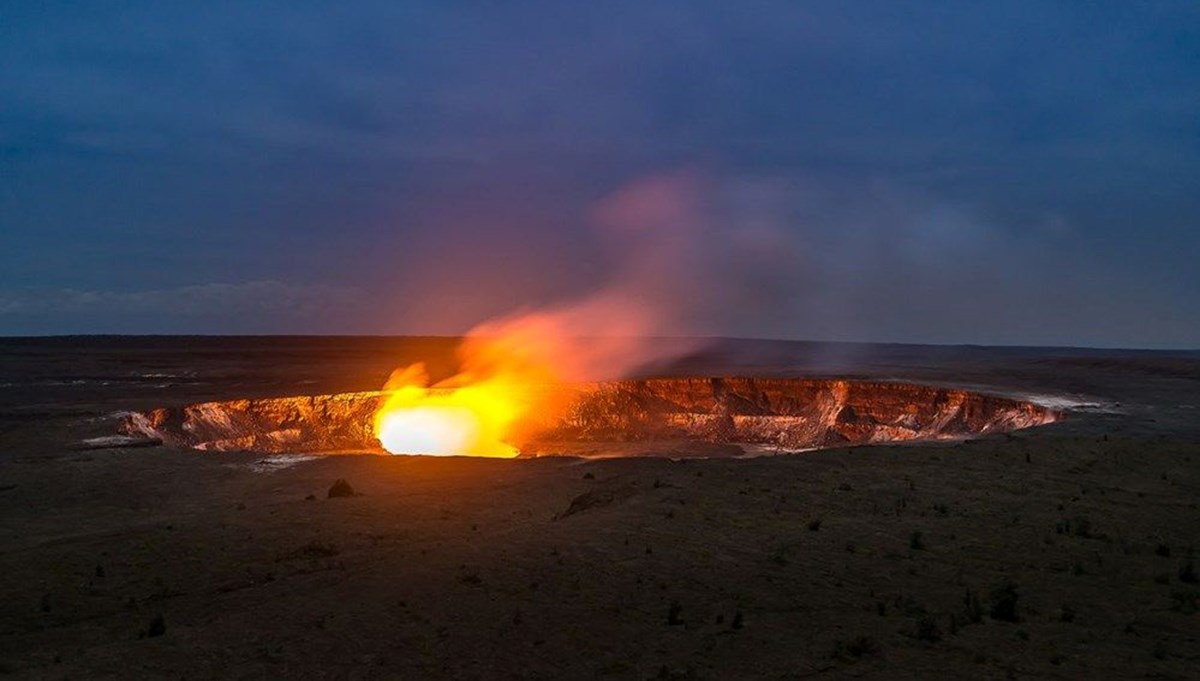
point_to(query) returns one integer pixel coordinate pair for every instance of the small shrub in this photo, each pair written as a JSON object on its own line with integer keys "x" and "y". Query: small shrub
{"x": 974, "y": 609}
{"x": 311, "y": 550}
{"x": 941, "y": 509}
{"x": 1067, "y": 614}
{"x": 916, "y": 541}
{"x": 857, "y": 648}
{"x": 1187, "y": 573}
{"x": 814, "y": 524}
{"x": 778, "y": 557}
{"x": 1163, "y": 550}
{"x": 1082, "y": 527}
{"x": 674, "y": 614}
{"x": 1184, "y": 602}
{"x": 909, "y": 606}
{"x": 1004, "y": 602}
{"x": 157, "y": 627}
{"x": 928, "y": 630}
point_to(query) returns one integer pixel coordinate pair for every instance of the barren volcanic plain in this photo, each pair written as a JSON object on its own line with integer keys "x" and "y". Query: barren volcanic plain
{"x": 1064, "y": 550}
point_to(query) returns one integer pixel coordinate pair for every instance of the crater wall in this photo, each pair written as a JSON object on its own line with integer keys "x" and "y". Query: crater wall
{"x": 784, "y": 414}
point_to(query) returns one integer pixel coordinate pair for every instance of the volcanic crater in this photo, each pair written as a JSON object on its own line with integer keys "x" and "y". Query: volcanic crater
{"x": 648, "y": 417}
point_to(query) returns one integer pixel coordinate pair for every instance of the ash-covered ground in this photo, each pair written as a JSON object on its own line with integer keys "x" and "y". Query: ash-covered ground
{"x": 1063, "y": 551}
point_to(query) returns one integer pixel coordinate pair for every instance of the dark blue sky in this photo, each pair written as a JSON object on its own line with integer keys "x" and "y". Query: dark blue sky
{"x": 948, "y": 172}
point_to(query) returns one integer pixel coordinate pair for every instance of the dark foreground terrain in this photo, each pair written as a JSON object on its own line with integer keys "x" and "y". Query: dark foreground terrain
{"x": 1065, "y": 551}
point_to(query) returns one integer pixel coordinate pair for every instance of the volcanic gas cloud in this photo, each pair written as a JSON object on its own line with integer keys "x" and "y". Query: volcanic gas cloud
{"x": 683, "y": 259}
{"x": 506, "y": 363}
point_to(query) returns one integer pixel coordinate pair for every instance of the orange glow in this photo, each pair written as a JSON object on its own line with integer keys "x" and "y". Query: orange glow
{"x": 458, "y": 416}
{"x": 479, "y": 412}
{"x": 498, "y": 398}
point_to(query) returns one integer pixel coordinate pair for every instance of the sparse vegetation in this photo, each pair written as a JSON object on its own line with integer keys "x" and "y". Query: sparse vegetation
{"x": 1078, "y": 527}
{"x": 972, "y": 606}
{"x": 778, "y": 556}
{"x": 157, "y": 627}
{"x": 928, "y": 630}
{"x": 1187, "y": 572}
{"x": 1184, "y": 602}
{"x": 916, "y": 541}
{"x": 313, "y": 549}
{"x": 1003, "y": 600}
{"x": 856, "y": 648}
{"x": 910, "y": 607}
{"x": 761, "y": 591}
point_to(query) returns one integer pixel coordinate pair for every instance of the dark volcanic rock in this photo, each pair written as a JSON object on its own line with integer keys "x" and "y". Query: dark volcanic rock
{"x": 595, "y": 498}
{"x": 158, "y": 627}
{"x": 340, "y": 489}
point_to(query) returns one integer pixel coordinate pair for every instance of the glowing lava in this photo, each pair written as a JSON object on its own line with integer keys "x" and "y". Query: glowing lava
{"x": 448, "y": 419}
{"x": 500, "y": 394}
{"x": 429, "y": 430}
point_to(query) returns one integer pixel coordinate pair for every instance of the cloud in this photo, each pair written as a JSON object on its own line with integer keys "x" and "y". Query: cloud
{"x": 250, "y": 307}
{"x": 936, "y": 174}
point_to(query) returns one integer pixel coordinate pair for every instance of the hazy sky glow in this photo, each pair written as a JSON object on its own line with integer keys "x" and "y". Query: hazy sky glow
{"x": 946, "y": 172}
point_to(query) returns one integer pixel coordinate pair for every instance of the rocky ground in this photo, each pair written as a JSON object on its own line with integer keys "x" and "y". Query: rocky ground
{"x": 1065, "y": 551}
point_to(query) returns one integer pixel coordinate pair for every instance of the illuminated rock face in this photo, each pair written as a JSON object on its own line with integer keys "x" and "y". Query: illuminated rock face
{"x": 316, "y": 423}
{"x": 786, "y": 414}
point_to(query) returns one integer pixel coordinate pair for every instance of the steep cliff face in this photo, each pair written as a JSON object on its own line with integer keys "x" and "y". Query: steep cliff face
{"x": 786, "y": 414}
{"x": 312, "y": 423}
